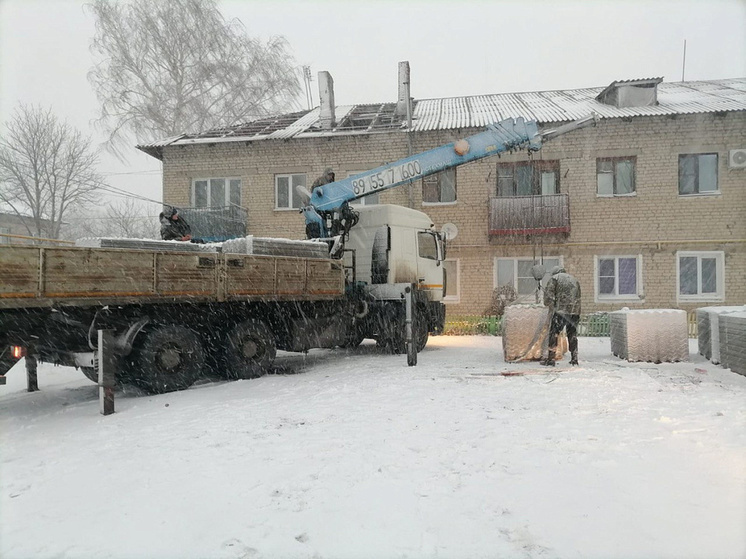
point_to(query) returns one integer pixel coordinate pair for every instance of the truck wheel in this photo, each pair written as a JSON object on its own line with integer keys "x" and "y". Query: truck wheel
{"x": 420, "y": 332}
{"x": 169, "y": 358}
{"x": 91, "y": 373}
{"x": 398, "y": 343}
{"x": 250, "y": 350}
{"x": 353, "y": 339}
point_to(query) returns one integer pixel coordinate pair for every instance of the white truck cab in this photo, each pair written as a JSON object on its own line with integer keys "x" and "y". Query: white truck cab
{"x": 396, "y": 245}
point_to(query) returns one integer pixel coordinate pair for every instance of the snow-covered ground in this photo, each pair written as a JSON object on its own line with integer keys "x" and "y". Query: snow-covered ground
{"x": 354, "y": 454}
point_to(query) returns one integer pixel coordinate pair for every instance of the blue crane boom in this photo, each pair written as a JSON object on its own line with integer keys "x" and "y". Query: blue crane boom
{"x": 506, "y": 135}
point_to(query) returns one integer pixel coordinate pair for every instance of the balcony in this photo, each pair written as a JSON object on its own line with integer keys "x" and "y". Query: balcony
{"x": 529, "y": 215}
{"x": 216, "y": 224}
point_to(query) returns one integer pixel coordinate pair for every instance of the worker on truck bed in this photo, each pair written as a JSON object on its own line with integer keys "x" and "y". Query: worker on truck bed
{"x": 173, "y": 226}
{"x": 326, "y": 178}
{"x": 562, "y": 296}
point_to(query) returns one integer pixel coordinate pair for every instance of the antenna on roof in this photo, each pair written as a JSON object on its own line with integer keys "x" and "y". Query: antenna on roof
{"x": 307, "y": 81}
{"x": 683, "y": 64}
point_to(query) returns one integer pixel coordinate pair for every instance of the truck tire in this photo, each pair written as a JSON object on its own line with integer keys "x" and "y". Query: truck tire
{"x": 398, "y": 342}
{"x": 353, "y": 338}
{"x": 250, "y": 350}
{"x": 91, "y": 373}
{"x": 169, "y": 358}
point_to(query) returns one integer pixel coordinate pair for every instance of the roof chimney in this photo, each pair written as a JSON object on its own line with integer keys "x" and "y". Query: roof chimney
{"x": 326, "y": 100}
{"x": 403, "y": 107}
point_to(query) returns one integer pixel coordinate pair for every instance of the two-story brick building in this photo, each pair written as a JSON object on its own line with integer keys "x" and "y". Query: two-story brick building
{"x": 647, "y": 208}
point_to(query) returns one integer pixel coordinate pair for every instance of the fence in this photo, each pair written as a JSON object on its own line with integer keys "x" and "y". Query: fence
{"x": 592, "y": 325}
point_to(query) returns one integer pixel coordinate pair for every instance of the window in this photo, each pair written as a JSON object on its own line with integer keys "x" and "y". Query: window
{"x": 616, "y": 176}
{"x": 426, "y": 245}
{"x": 516, "y": 272}
{"x": 368, "y": 200}
{"x": 618, "y": 278}
{"x": 216, "y": 193}
{"x": 700, "y": 276}
{"x": 440, "y": 188}
{"x": 528, "y": 178}
{"x": 698, "y": 174}
{"x": 451, "y": 272}
{"x": 286, "y": 193}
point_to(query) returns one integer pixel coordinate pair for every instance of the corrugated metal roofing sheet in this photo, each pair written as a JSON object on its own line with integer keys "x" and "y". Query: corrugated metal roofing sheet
{"x": 481, "y": 110}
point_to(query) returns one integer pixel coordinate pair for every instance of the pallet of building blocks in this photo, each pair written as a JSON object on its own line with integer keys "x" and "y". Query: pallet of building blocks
{"x": 525, "y": 330}
{"x": 268, "y": 246}
{"x": 732, "y": 334}
{"x": 147, "y": 244}
{"x": 708, "y": 332}
{"x": 654, "y": 335}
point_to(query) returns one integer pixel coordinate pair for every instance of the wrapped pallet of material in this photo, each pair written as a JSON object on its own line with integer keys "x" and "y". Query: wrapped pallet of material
{"x": 147, "y": 244}
{"x": 526, "y": 333}
{"x": 269, "y": 246}
{"x": 654, "y": 335}
{"x": 732, "y": 334}
{"x": 708, "y": 331}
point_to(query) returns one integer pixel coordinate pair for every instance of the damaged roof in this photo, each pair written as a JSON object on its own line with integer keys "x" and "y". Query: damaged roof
{"x": 476, "y": 111}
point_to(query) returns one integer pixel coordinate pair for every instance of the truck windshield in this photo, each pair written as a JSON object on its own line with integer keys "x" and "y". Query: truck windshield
{"x": 427, "y": 245}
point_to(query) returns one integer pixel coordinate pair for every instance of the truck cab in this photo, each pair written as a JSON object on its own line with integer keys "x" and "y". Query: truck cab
{"x": 391, "y": 249}
{"x": 394, "y": 245}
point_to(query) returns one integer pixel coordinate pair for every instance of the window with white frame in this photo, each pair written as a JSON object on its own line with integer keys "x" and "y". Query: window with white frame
{"x": 700, "y": 276}
{"x": 451, "y": 272}
{"x": 440, "y": 188}
{"x": 618, "y": 278}
{"x": 216, "y": 192}
{"x": 368, "y": 200}
{"x": 698, "y": 173}
{"x": 517, "y": 273}
{"x": 616, "y": 176}
{"x": 286, "y": 192}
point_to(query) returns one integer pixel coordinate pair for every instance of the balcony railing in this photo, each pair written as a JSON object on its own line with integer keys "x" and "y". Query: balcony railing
{"x": 216, "y": 224}
{"x": 529, "y": 215}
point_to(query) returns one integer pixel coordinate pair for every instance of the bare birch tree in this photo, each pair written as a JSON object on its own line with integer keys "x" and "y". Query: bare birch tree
{"x": 166, "y": 68}
{"x": 47, "y": 167}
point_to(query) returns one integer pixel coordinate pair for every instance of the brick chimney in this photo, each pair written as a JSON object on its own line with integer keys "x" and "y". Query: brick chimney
{"x": 403, "y": 107}
{"x": 326, "y": 100}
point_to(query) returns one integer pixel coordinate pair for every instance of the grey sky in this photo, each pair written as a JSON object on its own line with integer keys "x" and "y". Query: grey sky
{"x": 454, "y": 48}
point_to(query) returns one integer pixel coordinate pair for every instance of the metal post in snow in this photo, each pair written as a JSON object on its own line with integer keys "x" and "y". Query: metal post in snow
{"x": 411, "y": 343}
{"x": 107, "y": 364}
{"x": 32, "y": 380}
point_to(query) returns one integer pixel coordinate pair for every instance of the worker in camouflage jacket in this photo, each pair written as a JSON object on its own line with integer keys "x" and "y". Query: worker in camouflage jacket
{"x": 562, "y": 296}
{"x": 326, "y": 178}
{"x": 173, "y": 226}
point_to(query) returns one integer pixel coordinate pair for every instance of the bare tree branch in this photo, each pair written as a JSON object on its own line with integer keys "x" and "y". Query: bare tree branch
{"x": 167, "y": 68}
{"x": 46, "y": 167}
{"x": 125, "y": 218}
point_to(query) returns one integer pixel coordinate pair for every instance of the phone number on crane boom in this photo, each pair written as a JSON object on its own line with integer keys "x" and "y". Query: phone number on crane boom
{"x": 386, "y": 178}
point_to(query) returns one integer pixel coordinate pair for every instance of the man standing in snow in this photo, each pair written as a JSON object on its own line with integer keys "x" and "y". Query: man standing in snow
{"x": 326, "y": 178}
{"x": 173, "y": 226}
{"x": 562, "y": 296}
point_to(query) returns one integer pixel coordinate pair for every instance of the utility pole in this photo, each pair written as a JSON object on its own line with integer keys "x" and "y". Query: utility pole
{"x": 683, "y": 64}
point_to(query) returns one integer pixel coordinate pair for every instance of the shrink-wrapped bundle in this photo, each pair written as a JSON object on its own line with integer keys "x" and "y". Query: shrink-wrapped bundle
{"x": 525, "y": 330}
{"x": 655, "y": 335}
{"x": 732, "y": 334}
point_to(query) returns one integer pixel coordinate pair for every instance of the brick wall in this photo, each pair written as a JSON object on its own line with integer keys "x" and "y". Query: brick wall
{"x": 655, "y": 223}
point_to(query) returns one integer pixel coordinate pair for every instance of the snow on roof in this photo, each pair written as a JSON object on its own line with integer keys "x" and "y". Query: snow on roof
{"x": 478, "y": 111}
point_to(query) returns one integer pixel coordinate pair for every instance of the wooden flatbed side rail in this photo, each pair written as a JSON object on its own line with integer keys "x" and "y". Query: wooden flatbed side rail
{"x": 44, "y": 276}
